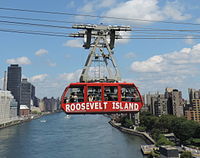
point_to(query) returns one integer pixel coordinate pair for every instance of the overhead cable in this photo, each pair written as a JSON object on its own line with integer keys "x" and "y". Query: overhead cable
{"x": 94, "y": 16}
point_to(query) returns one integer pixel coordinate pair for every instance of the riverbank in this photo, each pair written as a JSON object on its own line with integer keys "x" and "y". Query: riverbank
{"x": 143, "y": 135}
{"x": 24, "y": 119}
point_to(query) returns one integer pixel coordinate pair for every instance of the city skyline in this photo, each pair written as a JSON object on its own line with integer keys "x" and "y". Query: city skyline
{"x": 50, "y": 63}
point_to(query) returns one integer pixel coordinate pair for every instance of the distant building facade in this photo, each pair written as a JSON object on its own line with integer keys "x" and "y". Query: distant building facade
{"x": 8, "y": 109}
{"x": 14, "y": 82}
{"x": 49, "y": 104}
{"x": 193, "y": 94}
{"x": 156, "y": 103}
{"x": 26, "y": 93}
{"x": 175, "y": 102}
{"x": 24, "y": 111}
{"x": 160, "y": 105}
{"x": 13, "y": 109}
{"x": 193, "y": 111}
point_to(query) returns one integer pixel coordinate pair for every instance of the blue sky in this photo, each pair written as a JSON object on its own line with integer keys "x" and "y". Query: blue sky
{"x": 50, "y": 63}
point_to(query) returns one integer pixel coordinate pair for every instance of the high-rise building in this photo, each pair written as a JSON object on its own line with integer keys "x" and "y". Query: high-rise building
{"x": 156, "y": 103}
{"x": 14, "y": 82}
{"x": 160, "y": 105}
{"x": 193, "y": 111}
{"x": 13, "y": 109}
{"x": 175, "y": 102}
{"x": 168, "y": 96}
{"x": 193, "y": 94}
{"x": 149, "y": 100}
{"x": 27, "y": 93}
{"x": 7, "y": 104}
{"x": 5, "y": 81}
{"x": 49, "y": 104}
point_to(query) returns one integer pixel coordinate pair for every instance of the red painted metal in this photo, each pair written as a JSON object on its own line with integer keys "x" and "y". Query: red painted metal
{"x": 102, "y": 106}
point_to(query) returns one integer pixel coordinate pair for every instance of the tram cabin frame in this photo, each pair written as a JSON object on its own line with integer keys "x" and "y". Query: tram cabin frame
{"x": 97, "y": 98}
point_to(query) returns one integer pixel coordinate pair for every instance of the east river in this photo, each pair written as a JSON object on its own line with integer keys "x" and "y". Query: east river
{"x": 58, "y": 136}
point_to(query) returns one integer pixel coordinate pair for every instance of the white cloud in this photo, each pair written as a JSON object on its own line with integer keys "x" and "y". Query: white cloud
{"x": 189, "y": 40}
{"x": 174, "y": 10}
{"x": 71, "y": 77}
{"x": 20, "y": 60}
{"x": 92, "y": 6}
{"x": 198, "y": 20}
{"x": 178, "y": 61}
{"x": 71, "y": 4}
{"x": 87, "y": 8}
{"x": 51, "y": 64}
{"x": 153, "y": 64}
{"x": 41, "y": 52}
{"x": 77, "y": 43}
{"x": 130, "y": 55}
{"x": 177, "y": 69}
{"x": 136, "y": 9}
{"x": 146, "y": 10}
{"x": 124, "y": 37}
{"x": 38, "y": 78}
{"x": 106, "y": 3}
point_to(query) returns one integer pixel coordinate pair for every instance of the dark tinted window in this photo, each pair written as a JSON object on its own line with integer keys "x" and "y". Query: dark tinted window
{"x": 110, "y": 93}
{"x": 74, "y": 94}
{"x": 94, "y": 93}
{"x": 130, "y": 94}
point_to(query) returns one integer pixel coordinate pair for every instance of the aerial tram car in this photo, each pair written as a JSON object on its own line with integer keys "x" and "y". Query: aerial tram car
{"x": 102, "y": 93}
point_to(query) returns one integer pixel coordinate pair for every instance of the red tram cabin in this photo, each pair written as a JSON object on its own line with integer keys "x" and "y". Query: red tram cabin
{"x": 96, "y": 98}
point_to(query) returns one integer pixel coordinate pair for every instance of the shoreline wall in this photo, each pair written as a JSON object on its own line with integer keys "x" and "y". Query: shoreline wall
{"x": 143, "y": 135}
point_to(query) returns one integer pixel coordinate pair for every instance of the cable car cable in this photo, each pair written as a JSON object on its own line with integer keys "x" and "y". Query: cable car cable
{"x": 95, "y": 16}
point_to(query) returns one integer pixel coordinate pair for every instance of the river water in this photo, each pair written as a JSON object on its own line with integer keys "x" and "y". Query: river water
{"x": 57, "y": 136}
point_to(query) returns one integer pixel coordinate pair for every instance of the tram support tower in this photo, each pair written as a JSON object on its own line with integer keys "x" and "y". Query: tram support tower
{"x": 99, "y": 38}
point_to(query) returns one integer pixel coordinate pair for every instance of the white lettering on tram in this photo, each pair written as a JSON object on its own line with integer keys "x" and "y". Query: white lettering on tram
{"x": 102, "y": 106}
{"x": 105, "y": 105}
{"x": 136, "y": 106}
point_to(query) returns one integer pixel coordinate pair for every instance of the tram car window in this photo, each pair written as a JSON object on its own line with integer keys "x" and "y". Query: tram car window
{"x": 94, "y": 93}
{"x": 130, "y": 94}
{"x": 111, "y": 93}
{"x": 74, "y": 94}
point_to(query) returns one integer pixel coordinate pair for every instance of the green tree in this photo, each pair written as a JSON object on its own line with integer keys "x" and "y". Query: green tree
{"x": 186, "y": 154}
{"x": 141, "y": 128}
{"x": 184, "y": 129}
{"x": 162, "y": 140}
{"x": 195, "y": 141}
{"x": 150, "y": 122}
{"x": 165, "y": 122}
{"x": 155, "y": 133}
{"x": 197, "y": 131}
{"x": 127, "y": 123}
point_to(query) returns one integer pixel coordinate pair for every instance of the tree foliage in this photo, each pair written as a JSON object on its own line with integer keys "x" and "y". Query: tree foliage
{"x": 126, "y": 122}
{"x": 186, "y": 154}
{"x": 162, "y": 140}
{"x": 184, "y": 129}
{"x": 141, "y": 129}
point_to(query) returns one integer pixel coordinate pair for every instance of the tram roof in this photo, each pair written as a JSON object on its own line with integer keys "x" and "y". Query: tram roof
{"x": 100, "y": 84}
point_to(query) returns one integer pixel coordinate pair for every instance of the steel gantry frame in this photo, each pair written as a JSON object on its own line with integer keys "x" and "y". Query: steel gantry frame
{"x": 104, "y": 37}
